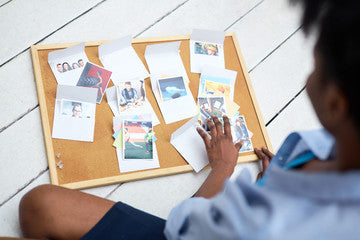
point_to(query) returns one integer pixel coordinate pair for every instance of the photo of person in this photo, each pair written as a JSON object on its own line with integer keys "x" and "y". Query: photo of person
{"x": 59, "y": 68}
{"x": 206, "y": 49}
{"x": 75, "y": 65}
{"x": 95, "y": 77}
{"x": 130, "y": 95}
{"x": 171, "y": 88}
{"x": 240, "y": 133}
{"x": 81, "y": 63}
{"x": 77, "y": 109}
{"x": 66, "y": 67}
{"x": 209, "y": 106}
{"x": 137, "y": 139}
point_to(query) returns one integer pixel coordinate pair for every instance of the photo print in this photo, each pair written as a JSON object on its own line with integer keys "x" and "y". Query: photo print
{"x": 130, "y": 95}
{"x": 62, "y": 67}
{"x": 172, "y": 88}
{"x": 95, "y": 77}
{"x": 68, "y": 63}
{"x": 206, "y": 48}
{"x": 77, "y": 109}
{"x": 240, "y": 133}
{"x": 216, "y": 86}
{"x": 138, "y": 139}
{"x": 209, "y": 106}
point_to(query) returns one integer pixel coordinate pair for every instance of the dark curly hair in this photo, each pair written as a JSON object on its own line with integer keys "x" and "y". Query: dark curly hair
{"x": 337, "y": 23}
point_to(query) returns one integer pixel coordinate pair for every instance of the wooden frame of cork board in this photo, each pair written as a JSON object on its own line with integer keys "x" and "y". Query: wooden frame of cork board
{"x": 95, "y": 164}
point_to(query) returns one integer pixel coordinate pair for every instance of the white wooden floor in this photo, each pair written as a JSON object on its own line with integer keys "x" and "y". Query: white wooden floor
{"x": 277, "y": 55}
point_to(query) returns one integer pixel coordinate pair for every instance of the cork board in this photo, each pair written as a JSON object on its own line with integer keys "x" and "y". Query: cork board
{"x": 95, "y": 164}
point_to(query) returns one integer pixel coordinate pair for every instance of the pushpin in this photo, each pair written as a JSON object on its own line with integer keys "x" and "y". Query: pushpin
{"x": 60, "y": 165}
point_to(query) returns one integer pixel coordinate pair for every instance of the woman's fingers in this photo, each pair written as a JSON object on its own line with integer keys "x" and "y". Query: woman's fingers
{"x": 227, "y": 127}
{"x": 218, "y": 125}
{"x": 204, "y": 136}
{"x": 267, "y": 152}
{"x": 264, "y": 156}
{"x": 212, "y": 128}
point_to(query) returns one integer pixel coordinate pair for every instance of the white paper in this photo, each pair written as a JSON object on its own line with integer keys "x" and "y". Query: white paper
{"x": 70, "y": 127}
{"x": 137, "y": 164}
{"x": 165, "y": 58}
{"x": 120, "y": 57}
{"x": 210, "y": 37}
{"x": 190, "y": 145}
{"x": 111, "y": 97}
{"x": 176, "y": 109}
{"x": 68, "y": 55}
{"x": 216, "y": 72}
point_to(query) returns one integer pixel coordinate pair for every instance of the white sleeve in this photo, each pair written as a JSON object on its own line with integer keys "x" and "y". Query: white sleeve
{"x": 229, "y": 215}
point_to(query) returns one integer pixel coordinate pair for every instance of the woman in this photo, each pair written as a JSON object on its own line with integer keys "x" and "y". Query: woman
{"x": 66, "y": 67}
{"x": 309, "y": 190}
{"x": 75, "y": 65}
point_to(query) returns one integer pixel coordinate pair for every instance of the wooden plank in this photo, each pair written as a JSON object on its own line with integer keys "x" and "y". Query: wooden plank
{"x": 22, "y": 155}
{"x": 264, "y": 28}
{"x": 283, "y": 74}
{"x": 22, "y": 24}
{"x": 299, "y": 115}
{"x": 214, "y": 14}
{"x": 9, "y": 212}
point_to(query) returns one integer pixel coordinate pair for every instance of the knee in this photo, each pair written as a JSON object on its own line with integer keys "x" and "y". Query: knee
{"x": 35, "y": 208}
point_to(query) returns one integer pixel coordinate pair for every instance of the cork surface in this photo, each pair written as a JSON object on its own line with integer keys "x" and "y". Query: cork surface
{"x": 96, "y": 161}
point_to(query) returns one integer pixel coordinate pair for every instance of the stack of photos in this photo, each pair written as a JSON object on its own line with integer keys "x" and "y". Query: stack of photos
{"x": 131, "y": 96}
{"x": 172, "y": 88}
{"x": 209, "y": 106}
{"x": 95, "y": 77}
{"x": 240, "y": 133}
{"x": 137, "y": 139}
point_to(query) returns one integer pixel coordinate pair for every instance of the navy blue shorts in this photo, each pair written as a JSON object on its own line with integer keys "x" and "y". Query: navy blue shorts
{"x": 125, "y": 222}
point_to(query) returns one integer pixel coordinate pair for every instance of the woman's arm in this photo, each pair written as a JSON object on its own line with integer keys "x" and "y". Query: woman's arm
{"x": 222, "y": 155}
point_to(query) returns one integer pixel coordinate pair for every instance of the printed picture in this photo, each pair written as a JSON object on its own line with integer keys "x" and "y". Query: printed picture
{"x": 62, "y": 67}
{"x": 171, "y": 88}
{"x": 130, "y": 95}
{"x": 215, "y": 88}
{"x": 77, "y": 109}
{"x": 95, "y": 77}
{"x": 209, "y": 85}
{"x": 138, "y": 139}
{"x": 209, "y": 106}
{"x": 206, "y": 49}
{"x": 240, "y": 133}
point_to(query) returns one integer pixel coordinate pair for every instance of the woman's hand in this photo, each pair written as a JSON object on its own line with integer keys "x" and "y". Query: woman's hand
{"x": 222, "y": 155}
{"x": 221, "y": 151}
{"x": 265, "y": 156}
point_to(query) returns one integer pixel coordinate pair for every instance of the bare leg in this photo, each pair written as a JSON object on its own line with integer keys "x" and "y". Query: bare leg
{"x": 49, "y": 211}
